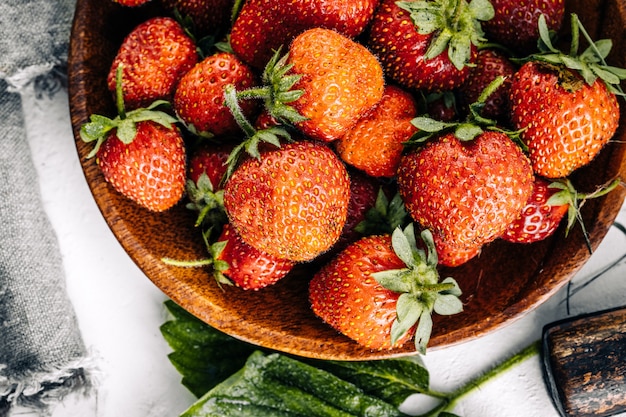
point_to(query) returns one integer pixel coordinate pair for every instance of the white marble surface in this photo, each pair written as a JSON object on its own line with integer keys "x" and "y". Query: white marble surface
{"x": 120, "y": 310}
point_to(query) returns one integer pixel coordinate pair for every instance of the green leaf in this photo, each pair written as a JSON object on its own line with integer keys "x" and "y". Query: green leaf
{"x": 204, "y": 356}
{"x": 392, "y": 380}
{"x": 279, "y": 385}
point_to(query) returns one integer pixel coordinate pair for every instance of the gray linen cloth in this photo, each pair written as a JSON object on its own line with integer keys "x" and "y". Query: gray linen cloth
{"x": 42, "y": 354}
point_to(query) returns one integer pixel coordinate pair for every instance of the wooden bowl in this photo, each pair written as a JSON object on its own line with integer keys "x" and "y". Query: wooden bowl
{"x": 500, "y": 286}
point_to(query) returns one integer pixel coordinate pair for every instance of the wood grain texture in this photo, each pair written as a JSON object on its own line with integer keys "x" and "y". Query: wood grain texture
{"x": 501, "y": 285}
{"x": 585, "y": 364}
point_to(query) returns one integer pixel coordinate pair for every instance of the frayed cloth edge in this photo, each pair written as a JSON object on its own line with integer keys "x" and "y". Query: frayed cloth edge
{"x": 40, "y": 389}
{"x": 23, "y": 77}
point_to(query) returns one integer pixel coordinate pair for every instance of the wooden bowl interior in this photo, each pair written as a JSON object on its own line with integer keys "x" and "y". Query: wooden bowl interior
{"x": 501, "y": 285}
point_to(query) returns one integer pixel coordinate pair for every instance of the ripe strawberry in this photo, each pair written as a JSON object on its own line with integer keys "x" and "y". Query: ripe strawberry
{"x": 205, "y": 173}
{"x": 566, "y": 103}
{"x": 515, "y": 23}
{"x": 131, "y": 3}
{"x": 363, "y": 192}
{"x": 291, "y": 202}
{"x": 489, "y": 65}
{"x": 375, "y": 143}
{"x": 540, "y": 217}
{"x": 247, "y": 267}
{"x": 207, "y": 16}
{"x": 340, "y": 79}
{"x": 466, "y": 193}
{"x": 199, "y": 98}
{"x": 442, "y": 106}
{"x": 566, "y": 121}
{"x": 150, "y": 170}
{"x": 263, "y": 26}
{"x": 154, "y": 56}
{"x": 210, "y": 159}
{"x": 382, "y": 289}
{"x": 549, "y": 203}
{"x": 426, "y": 44}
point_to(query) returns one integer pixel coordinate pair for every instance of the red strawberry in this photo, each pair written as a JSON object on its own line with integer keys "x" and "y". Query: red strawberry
{"x": 442, "y": 106}
{"x": 539, "y": 218}
{"x": 247, "y": 267}
{"x": 131, "y": 3}
{"x": 340, "y": 79}
{"x": 466, "y": 193}
{"x": 199, "y": 98}
{"x": 490, "y": 64}
{"x": 210, "y": 159}
{"x": 206, "y": 171}
{"x": 207, "y": 16}
{"x": 566, "y": 121}
{"x": 382, "y": 289}
{"x": 426, "y": 44}
{"x": 375, "y": 143}
{"x": 565, "y": 103}
{"x": 263, "y": 26}
{"x": 291, "y": 202}
{"x": 363, "y": 192}
{"x": 154, "y": 56}
{"x": 515, "y": 23}
{"x": 549, "y": 203}
{"x": 141, "y": 155}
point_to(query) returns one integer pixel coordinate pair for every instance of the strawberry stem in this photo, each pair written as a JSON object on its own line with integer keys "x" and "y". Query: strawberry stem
{"x": 119, "y": 94}
{"x": 450, "y": 400}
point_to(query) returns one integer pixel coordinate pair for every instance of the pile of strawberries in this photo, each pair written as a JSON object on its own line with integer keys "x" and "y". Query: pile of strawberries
{"x": 374, "y": 140}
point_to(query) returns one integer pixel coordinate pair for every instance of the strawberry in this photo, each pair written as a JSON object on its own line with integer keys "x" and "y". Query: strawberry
{"x": 247, "y": 267}
{"x": 340, "y": 79}
{"x": 465, "y": 192}
{"x": 490, "y": 64}
{"x": 540, "y": 217}
{"x": 264, "y": 26}
{"x": 567, "y": 116}
{"x": 205, "y": 173}
{"x": 382, "y": 289}
{"x": 375, "y": 143}
{"x": 154, "y": 56}
{"x": 515, "y": 23}
{"x": 208, "y": 17}
{"x": 199, "y": 97}
{"x": 141, "y": 153}
{"x": 131, "y": 3}
{"x": 442, "y": 106}
{"x": 210, "y": 159}
{"x": 428, "y": 44}
{"x": 291, "y": 202}
{"x": 363, "y": 192}
{"x": 547, "y": 206}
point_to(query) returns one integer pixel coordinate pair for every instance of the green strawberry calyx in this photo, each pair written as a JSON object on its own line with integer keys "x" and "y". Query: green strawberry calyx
{"x": 575, "y": 200}
{"x": 590, "y": 64}
{"x": 473, "y": 126}
{"x": 455, "y": 25}
{"x": 206, "y": 201}
{"x": 250, "y": 145}
{"x": 420, "y": 290}
{"x": 124, "y": 124}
